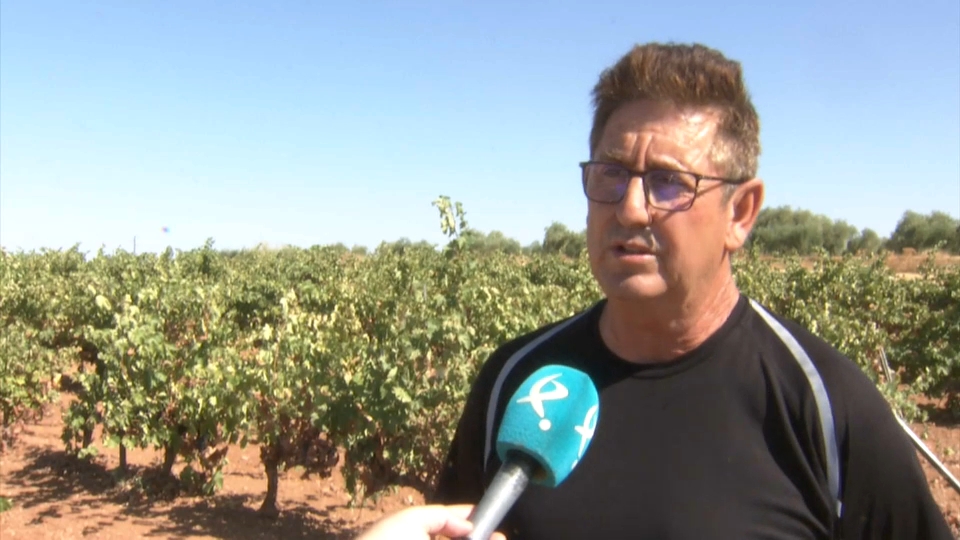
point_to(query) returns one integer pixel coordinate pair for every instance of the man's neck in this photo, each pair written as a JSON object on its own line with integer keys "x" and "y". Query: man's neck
{"x": 650, "y": 332}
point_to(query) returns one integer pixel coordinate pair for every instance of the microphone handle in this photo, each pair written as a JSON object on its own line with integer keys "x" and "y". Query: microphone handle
{"x": 504, "y": 490}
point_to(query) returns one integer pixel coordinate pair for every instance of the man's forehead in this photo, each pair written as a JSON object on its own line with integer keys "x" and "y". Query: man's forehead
{"x": 665, "y": 116}
{"x": 630, "y": 125}
{"x": 664, "y": 134}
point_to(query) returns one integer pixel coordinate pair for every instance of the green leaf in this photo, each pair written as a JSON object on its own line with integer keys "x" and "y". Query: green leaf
{"x": 401, "y": 394}
{"x": 102, "y": 302}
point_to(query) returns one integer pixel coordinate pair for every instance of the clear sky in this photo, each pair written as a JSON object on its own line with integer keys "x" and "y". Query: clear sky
{"x": 303, "y": 123}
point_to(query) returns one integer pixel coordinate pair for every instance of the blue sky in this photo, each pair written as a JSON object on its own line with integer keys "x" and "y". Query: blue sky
{"x": 307, "y": 123}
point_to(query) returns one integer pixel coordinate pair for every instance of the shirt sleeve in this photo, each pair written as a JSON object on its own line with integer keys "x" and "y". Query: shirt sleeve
{"x": 462, "y": 478}
{"x": 885, "y": 494}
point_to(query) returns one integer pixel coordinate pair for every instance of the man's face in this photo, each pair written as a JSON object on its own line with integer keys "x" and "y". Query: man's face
{"x": 641, "y": 253}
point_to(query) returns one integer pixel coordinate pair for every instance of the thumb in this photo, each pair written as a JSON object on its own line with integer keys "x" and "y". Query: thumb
{"x": 459, "y": 514}
{"x": 446, "y": 520}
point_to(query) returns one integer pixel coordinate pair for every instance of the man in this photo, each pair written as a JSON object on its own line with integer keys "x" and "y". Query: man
{"x": 717, "y": 419}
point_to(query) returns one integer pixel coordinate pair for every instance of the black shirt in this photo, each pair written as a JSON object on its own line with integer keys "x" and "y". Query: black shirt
{"x": 723, "y": 442}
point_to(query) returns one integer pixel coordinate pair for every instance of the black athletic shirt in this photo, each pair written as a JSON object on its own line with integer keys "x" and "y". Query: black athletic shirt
{"x": 723, "y": 442}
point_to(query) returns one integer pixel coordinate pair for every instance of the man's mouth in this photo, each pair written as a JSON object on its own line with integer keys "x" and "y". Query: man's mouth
{"x": 632, "y": 248}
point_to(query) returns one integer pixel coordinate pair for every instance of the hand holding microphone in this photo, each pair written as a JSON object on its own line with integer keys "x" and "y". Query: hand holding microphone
{"x": 546, "y": 429}
{"x": 420, "y": 522}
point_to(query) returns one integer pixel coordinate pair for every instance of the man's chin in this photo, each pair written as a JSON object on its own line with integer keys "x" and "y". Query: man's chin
{"x": 640, "y": 289}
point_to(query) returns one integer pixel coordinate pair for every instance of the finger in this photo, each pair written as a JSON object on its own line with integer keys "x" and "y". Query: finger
{"x": 461, "y": 511}
{"x": 454, "y": 527}
{"x": 445, "y": 520}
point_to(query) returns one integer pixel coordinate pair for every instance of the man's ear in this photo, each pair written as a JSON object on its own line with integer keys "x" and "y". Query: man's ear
{"x": 743, "y": 208}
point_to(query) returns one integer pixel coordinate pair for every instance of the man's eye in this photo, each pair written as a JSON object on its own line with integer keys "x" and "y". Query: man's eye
{"x": 670, "y": 179}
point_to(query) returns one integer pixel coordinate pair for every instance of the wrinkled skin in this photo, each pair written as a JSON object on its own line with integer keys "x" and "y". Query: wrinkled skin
{"x": 666, "y": 301}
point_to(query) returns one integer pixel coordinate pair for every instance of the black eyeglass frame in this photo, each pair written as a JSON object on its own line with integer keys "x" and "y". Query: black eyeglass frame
{"x": 646, "y": 188}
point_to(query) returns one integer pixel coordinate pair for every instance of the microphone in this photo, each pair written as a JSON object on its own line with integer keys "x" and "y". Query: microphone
{"x": 547, "y": 426}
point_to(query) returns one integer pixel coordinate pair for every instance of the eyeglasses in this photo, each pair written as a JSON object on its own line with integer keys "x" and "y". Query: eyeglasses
{"x": 674, "y": 191}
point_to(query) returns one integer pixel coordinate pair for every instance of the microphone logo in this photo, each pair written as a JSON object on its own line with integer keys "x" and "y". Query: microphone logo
{"x": 537, "y": 397}
{"x": 586, "y": 431}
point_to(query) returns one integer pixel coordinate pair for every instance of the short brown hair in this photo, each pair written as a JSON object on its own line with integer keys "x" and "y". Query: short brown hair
{"x": 686, "y": 76}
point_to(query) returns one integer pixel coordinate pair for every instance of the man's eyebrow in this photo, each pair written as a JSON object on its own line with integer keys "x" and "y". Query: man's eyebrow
{"x": 657, "y": 162}
{"x": 612, "y": 155}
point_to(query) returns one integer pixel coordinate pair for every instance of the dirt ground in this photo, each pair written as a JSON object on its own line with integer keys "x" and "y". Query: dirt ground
{"x": 910, "y": 261}
{"x": 906, "y": 264}
{"x": 56, "y": 497}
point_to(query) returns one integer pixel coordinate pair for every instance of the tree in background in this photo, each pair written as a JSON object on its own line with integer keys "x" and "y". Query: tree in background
{"x": 920, "y": 232}
{"x": 403, "y": 245}
{"x": 785, "y": 231}
{"x": 559, "y": 239}
{"x": 492, "y": 242}
{"x": 778, "y": 231}
{"x": 867, "y": 242}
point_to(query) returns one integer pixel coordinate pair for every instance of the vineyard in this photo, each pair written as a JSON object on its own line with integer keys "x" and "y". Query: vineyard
{"x": 326, "y": 358}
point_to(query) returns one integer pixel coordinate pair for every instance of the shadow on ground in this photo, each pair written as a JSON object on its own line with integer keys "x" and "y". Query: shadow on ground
{"x": 940, "y": 416}
{"x": 67, "y": 485}
{"x": 54, "y": 476}
{"x": 233, "y": 516}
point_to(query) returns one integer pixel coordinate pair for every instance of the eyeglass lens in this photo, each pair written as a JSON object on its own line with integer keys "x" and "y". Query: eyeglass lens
{"x": 607, "y": 182}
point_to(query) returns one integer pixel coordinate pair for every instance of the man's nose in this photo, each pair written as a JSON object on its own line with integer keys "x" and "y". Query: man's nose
{"x": 632, "y": 210}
